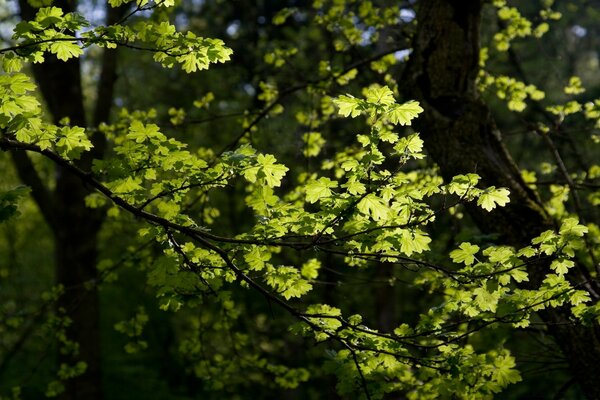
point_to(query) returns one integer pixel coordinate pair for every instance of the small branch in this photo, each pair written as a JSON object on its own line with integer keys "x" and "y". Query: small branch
{"x": 292, "y": 89}
{"x": 576, "y": 200}
{"x": 191, "y": 265}
{"x": 360, "y": 373}
{"x": 88, "y": 178}
{"x": 88, "y": 41}
{"x": 175, "y": 190}
{"x": 514, "y": 59}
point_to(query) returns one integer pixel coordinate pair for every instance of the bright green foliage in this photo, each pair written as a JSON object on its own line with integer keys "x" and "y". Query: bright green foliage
{"x": 348, "y": 106}
{"x": 320, "y": 189}
{"x": 287, "y": 282}
{"x": 463, "y": 185}
{"x": 370, "y": 204}
{"x": 517, "y": 26}
{"x": 511, "y": 90}
{"x": 379, "y": 100}
{"x": 314, "y": 142}
{"x": 465, "y": 253}
{"x": 310, "y": 269}
{"x": 402, "y": 114}
{"x": 373, "y": 206}
{"x": 492, "y": 197}
{"x": 266, "y": 171}
{"x": 47, "y": 34}
{"x": 65, "y": 50}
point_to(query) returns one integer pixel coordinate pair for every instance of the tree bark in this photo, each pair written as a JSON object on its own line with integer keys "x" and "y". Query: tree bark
{"x": 75, "y": 226}
{"x": 461, "y": 137}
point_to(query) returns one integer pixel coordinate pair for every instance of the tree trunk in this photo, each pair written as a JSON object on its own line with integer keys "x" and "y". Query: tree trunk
{"x": 75, "y": 258}
{"x": 461, "y": 137}
{"x": 75, "y": 226}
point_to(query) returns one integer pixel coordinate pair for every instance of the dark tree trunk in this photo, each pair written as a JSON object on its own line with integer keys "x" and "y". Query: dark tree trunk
{"x": 75, "y": 226}
{"x": 75, "y": 247}
{"x": 461, "y": 136}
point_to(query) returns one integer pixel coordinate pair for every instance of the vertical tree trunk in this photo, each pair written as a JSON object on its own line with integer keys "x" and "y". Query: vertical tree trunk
{"x": 461, "y": 136}
{"x": 75, "y": 260}
{"x": 75, "y": 226}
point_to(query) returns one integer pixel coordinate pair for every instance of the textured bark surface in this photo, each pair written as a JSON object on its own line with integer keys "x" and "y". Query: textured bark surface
{"x": 461, "y": 137}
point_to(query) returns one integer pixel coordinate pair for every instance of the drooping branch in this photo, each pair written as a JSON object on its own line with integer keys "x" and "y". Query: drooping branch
{"x": 206, "y": 240}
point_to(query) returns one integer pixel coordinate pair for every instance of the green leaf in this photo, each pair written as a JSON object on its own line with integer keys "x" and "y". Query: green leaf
{"x": 313, "y": 142}
{"x": 492, "y": 196}
{"x": 414, "y": 242}
{"x": 20, "y": 83}
{"x": 11, "y": 63}
{"x": 127, "y": 185}
{"x": 192, "y": 63}
{"x": 266, "y": 170}
{"x": 381, "y": 95}
{"x": 571, "y": 227}
{"x": 354, "y": 187}
{"x": 504, "y": 372}
{"x": 574, "y": 86}
{"x": 117, "y": 3}
{"x": 579, "y": 297}
{"x": 387, "y": 136}
{"x": 485, "y": 300}
{"x": 465, "y": 253}
{"x": 411, "y": 145}
{"x": 499, "y": 254}
{"x": 463, "y": 184}
{"x": 73, "y": 140}
{"x": 66, "y": 50}
{"x": 519, "y": 275}
{"x": 319, "y": 189}
{"x": 74, "y": 21}
{"x": 9, "y": 202}
{"x": 257, "y": 257}
{"x": 287, "y": 282}
{"x": 561, "y": 266}
{"x": 140, "y": 132}
{"x": 310, "y": 269}
{"x": 373, "y": 206}
{"x": 348, "y": 106}
{"x": 527, "y": 252}
{"x": 327, "y": 317}
{"x": 262, "y": 199}
{"x": 283, "y": 14}
{"x": 47, "y": 16}
{"x": 403, "y": 114}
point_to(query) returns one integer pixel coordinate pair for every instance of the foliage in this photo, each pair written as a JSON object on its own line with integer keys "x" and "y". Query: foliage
{"x": 373, "y": 203}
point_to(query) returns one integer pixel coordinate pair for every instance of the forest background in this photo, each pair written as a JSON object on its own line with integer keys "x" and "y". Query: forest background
{"x": 294, "y": 199}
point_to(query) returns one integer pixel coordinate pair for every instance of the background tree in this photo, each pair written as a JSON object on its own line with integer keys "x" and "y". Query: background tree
{"x": 372, "y": 214}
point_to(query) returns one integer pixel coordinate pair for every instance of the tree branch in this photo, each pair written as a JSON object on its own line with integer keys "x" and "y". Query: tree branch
{"x": 292, "y": 89}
